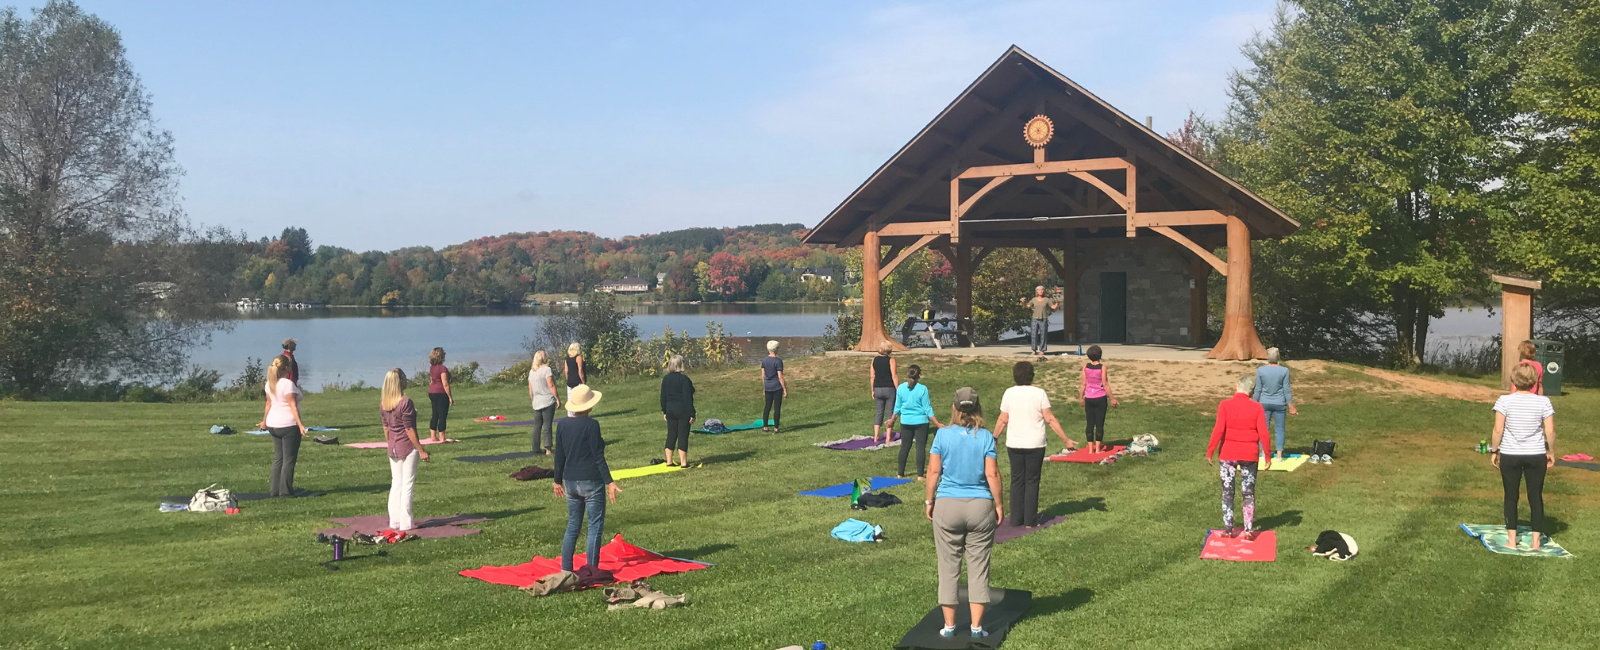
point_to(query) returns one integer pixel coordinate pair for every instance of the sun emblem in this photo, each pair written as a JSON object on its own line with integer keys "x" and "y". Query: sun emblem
{"x": 1038, "y": 131}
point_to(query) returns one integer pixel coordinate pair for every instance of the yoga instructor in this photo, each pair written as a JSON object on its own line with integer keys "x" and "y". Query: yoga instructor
{"x": 1039, "y": 327}
{"x": 963, "y": 502}
{"x": 439, "y": 395}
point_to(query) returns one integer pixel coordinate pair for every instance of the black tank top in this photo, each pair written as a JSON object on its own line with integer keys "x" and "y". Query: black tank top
{"x": 881, "y": 378}
{"x": 572, "y": 372}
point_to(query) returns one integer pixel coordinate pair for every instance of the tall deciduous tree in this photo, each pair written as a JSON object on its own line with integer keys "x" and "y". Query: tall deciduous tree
{"x": 94, "y": 273}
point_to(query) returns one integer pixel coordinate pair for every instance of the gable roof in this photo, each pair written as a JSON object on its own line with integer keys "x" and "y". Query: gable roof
{"x": 983, "y": 125}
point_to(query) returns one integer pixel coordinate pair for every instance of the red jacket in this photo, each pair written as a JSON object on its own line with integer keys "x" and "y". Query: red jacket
{"x": 1241, "y": 430}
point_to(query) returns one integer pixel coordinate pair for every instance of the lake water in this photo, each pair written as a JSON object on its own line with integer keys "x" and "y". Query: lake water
{"x": 345, "y": 345}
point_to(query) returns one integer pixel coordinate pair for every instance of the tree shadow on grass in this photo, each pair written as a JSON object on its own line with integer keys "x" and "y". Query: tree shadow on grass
{"x": 697, "y": 552}
{"x": 497, "y": 435}
{"x": 1057, "y": 603}
{"x": 375, "y": 488}
{"x": 507, "y": 514}
{"x": 728, "y": 458}
{"x": 1285, "y": 519}
{"x": 611, "y": 413}
{"x": 1066, "y": 508}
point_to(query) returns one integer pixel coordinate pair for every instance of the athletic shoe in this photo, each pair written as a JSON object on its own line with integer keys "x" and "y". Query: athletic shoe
{"x": 978, "y": 633}
{"x": 1314, "y": 459}
{"x": 1251, "y": 536}
{"x": 947, "y": 632}
{"x": 1327, "y": 460}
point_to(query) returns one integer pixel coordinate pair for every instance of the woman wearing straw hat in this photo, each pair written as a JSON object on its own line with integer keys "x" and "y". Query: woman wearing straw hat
{"x": 581, "y": 474}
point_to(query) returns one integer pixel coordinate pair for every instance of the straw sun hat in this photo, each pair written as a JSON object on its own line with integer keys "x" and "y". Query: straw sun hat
{"x": 582, "y": 398}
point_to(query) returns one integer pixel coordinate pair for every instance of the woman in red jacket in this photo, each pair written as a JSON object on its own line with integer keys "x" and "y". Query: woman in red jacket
{"x": 1241, "y": 432}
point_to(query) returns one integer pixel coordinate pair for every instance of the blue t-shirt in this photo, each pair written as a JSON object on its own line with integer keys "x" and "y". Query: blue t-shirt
{"x": 770, "y": 367}
{"x": 911, "y": 404}
{"x": 961, "y": 453}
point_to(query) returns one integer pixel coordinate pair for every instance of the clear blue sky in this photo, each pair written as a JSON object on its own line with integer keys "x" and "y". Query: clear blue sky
{"x": 377, "y": 125}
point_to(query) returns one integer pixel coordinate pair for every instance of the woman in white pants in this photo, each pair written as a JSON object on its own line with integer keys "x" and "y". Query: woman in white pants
{"x": 400, "y": 427}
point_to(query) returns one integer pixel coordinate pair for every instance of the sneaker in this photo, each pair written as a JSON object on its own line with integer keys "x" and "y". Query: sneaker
{"x": 947, "y": 632}
{"x": 978, "y": 633}
{"x": 1314, "y": 459}
{"x": 1327, "y": 460}
{"x": 1251, "y": 535}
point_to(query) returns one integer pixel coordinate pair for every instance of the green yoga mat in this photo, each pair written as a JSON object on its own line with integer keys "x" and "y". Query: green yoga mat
{"x": 755, "y": 424}
{"x": 635, "y": 472}
{"x": 1493, "y": 537}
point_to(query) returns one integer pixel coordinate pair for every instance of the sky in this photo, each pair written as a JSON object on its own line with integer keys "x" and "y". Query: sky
{"x": 385, "y": 124}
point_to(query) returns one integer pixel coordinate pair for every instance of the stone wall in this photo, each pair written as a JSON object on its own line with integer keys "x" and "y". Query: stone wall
{"x": 1158, "y": 291}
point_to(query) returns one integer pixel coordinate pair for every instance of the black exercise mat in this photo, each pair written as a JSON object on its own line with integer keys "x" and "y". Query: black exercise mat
{"x": 1005, "y": 607}
{"x": 1593, "y": 467}
{"x": 299, "y": 493}
{"x": 497, "y": 457}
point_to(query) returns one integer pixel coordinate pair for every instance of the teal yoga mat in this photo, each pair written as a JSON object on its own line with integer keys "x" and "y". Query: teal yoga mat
{"x": 756, "y": 424}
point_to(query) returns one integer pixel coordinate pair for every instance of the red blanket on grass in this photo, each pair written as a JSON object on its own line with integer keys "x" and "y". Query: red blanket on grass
{"x": 1237, "y": 549}
{"x": 1083, "y": 456}
{"x": 625, "y": 561}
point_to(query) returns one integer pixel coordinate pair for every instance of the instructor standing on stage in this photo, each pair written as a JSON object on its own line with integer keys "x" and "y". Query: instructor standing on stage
{"x": 1039, "y": 329}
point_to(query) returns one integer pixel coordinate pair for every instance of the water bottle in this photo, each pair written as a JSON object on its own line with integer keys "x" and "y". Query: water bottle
{"x": 1483, "y": 446}
{"x": 819, "y": 646}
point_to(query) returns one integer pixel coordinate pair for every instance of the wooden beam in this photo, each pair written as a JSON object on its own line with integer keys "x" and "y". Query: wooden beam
{"x": 1005, "y": 242}
{"x": 1047, "y": 167}
{"x": 1178, "y": 218}
{"x": 966, "y": 205}
{"x": 982, "y": 254}
{"x": 978, "y": 226}
{"x": 986, "y": 104}
{"x": 894, "y": 249}
{"x": 905, "y": 173}
{"x": 872, "y": 334}
{"x": 1091, "y": 179}
{"x": 1071, "y": 202}
{"x": 1069, "y": 283}
{"x": 915, "y": 228}
{"x": 1132, "y": 204}
{"x": 1199, "y": 252}
{"x": 1054, "y": 263}
{"x": 944, "y": 138}
{"x": 883, "y": 274}
{"x": 1239, "y": 341}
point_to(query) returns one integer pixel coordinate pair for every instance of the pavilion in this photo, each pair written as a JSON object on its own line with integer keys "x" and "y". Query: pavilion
{"x": 1027, "y": 158}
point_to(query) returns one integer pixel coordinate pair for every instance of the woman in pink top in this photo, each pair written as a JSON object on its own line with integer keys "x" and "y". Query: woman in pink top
{"x": 1094, "y": 396}
{"x": 282, "y": 420}
{"x": 1240, "y": 439}
{"x": 1527, "y": 350}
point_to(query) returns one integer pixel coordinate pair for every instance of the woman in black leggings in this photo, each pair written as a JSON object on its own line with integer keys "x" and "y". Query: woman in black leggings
{"x": 677, "y": 408}
{"x": 1523, "y": 446}
{"x": 1094, "y": 395}
{"x": 439, "y": 395}
{"x": 774, "y": 386}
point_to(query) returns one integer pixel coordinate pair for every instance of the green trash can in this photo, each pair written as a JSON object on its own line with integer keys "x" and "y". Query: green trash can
{"x": 1553, "y": 356}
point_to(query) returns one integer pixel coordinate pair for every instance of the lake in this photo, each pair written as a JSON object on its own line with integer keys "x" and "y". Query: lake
{"x": 343, "y": 345}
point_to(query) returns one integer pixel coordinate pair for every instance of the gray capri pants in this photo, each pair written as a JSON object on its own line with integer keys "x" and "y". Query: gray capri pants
{"x": 883, "y": 397}
{"x": 963, "y": 526}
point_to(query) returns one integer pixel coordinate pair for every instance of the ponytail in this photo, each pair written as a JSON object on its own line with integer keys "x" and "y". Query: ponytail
{"x": 913, "y": 374}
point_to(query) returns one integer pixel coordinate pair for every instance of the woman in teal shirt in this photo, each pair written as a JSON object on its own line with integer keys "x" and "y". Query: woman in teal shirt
{"x": 963, "y": 502}
{"x": 912, "y": 408}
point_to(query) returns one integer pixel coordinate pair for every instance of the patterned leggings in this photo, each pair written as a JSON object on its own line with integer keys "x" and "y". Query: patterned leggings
{"x": 1231, "y": 471}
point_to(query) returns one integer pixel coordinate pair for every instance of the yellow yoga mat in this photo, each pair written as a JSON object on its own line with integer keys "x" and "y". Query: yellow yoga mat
{"x": 659, "y": 468}
{"x": 1285, "y": 465}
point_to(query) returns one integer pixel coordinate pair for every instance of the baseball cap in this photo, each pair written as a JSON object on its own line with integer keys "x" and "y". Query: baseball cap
{"x": 967, "y": 400}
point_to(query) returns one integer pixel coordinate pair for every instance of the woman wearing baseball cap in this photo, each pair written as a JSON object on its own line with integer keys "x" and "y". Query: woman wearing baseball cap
{"x": 963, "y": 502}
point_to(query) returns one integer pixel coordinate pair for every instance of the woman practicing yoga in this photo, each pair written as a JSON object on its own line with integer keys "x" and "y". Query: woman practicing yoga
{"x": 884, "y": 379}
{"x": 439, "y": 395}
{"x": 1025, "y": 408}
{"x": 282, "y": 419}
{"x": 963, "y": 502}
{"x": 542, "y": 395}
{"x": 1526, "y": 351}
{"x": 400, "y": 428}
{"x": 1523, "y": 445}
{"x": 577, "y": 372}
{"x": 677, "y": 408}
{"x": 1094, "y": 395}
{"x": 582, "y": 476}
{"x": 1274, "y": 395}
{"x": 912, "y": 408}
{"x": 1241, "y": 432}
{"x": 772, "y": 382}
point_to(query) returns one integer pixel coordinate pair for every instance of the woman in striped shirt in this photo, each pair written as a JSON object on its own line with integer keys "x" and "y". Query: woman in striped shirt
{"x": 1523, "y": 445}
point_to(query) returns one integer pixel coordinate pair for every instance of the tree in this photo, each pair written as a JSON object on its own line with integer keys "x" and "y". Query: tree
{"x": 725, "y": 275}
{"x": 98, "y": 271}
{"x": 998, "y": 287}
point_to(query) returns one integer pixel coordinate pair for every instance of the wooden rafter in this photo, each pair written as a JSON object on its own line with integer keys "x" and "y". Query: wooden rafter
{"x": 981, "y": 254}
{"x": 883, "y": 274}
{"x": 1047, "y": 167}
{"x": 1054, "y": 263}
{"x": 915, "y": 228}
{"x": 1202, "y": 253}
{"x": 1178, "y": 218}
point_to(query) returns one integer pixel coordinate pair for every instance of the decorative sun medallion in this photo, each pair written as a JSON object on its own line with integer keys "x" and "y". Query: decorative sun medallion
{"x": 1038, "y": 131}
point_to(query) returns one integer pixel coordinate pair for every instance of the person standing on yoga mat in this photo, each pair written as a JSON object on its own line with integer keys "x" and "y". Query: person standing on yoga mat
{"x": 883, "y": 379}
{"x": 677, "y": 408}
{"x": 439, "y": 395}
{"x": 1025, "y": 408}
{"x": 1527, "y": 350}
{"x": 400, "y": 428}
{"x": 1094, "y": 395}
{"x": 1523, "y": 445}
{"x": 542, "y": 395}
{"x": 282, "y": 419}
{"x": 915, "y": 412}
{"x": 1241, "y": 432}
{"x": 582, "y": 475}
{"x": 577, "y": 371}
{"x": 963, "y": 502}
{"x": 772, "y": 382}
{"x": 1274, "y": 395}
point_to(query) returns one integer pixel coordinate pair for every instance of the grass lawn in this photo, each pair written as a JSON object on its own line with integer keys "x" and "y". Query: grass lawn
{"x": 87, "y": 561}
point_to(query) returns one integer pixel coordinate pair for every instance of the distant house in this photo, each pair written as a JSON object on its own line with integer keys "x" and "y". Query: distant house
{"x": 625, "y": 285}
{"x": 806, "y": 275}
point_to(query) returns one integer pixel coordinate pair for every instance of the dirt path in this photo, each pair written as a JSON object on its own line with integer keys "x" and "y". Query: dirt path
{"x": 1442, "y": 388}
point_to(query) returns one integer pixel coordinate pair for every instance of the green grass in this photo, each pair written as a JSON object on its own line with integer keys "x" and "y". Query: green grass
{"x": 86, "y": 561}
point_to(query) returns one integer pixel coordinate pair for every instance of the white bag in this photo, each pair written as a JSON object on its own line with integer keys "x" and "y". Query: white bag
{"x": 212, "y": 499}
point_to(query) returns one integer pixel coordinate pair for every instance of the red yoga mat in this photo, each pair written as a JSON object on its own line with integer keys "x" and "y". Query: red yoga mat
{"x": 1236, "y": 549}
{"x": 1083, "y": 456}
{"x": 625, "y": 561}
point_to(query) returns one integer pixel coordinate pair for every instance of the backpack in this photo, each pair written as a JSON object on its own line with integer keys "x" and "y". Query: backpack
{"x": 1322, "y": 448}
{"x": 1335, "y": 546}
{"x": 714, "y": 425}
{"x": 1143, "y": 445}
{"x": 212, "y": 499}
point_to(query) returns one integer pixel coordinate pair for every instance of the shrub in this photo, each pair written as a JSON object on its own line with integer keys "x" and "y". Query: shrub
{"x": 844, "y": 332}
{"x": 516, "y": 375}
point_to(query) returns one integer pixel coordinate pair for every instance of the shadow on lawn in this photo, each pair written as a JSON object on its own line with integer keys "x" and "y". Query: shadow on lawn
{"x": 728, "y": 458}
{"x": 1287, "y": 518}
{"x": 343, "y": 427}
{"x": 375, "y": 488}
{"x": 611, "y": 413}
{"x": 1066, "y": 508}
{"x": 507, "y": 514}
{"x": 1553, "y": 526}
{"x": 1061, "y": 602}
{"x": 697, "y": 552}
{"x": 803, "y": 427}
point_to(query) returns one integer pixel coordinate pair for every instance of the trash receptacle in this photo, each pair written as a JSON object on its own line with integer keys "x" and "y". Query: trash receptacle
{"x": 1553, "y": 356}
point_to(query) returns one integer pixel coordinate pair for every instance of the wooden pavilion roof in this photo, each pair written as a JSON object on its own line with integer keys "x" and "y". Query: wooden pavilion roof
{"x": 984, "y": 126}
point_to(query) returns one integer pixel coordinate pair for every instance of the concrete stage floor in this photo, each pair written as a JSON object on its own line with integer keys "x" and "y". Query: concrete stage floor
{"x": 1062, "y": 352}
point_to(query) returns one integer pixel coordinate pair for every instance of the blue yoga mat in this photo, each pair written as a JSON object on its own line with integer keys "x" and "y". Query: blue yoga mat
{"x": 843, "y": 489}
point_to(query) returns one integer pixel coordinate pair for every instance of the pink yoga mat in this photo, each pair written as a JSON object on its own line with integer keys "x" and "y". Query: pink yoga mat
{"x": 1083, "y": 456}
{"x": 426, "y": 528}
{"x": 384, "y": 445}
{"x": 1236, "y": 549}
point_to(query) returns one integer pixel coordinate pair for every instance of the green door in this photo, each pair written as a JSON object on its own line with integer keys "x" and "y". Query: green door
{"x": 1113, "y": 307}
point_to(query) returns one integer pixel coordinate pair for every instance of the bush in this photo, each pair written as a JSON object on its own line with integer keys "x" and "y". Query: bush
{"x": 596, "y": 316}
{"x": 844, "y": 332}
{"x": 464, "y": 375}
{"x": 516, "y": 375}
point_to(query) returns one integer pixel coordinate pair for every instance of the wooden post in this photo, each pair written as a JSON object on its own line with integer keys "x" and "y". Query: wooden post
{"x": 963, "y": 267}
{"x": 1516, "y": 320}
{"x": 872, "y": 333}
{"x": 1200, "y": 275}
{"x": 1239, "y": 340}
{"x": 1069, "y": 285}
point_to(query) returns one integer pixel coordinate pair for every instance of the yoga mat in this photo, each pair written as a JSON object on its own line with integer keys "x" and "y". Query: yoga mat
{"x": 300, "y": 493}
{"x": 321, "y": 429}
{"x": 1083, "y": 456}
{"x": 1572, "y": 457}
{"x": 1593, "y": 467}
{"x": 497, "y": 457}
{"x": 1237, "y": 549}
{"x": 426, "y": 528}
{"x": 1006, "y": 607}
{"x": 1288, "y": 464}
{"x": 1007, "y": 532}
{"x": 634, "y": 472}
{"x": 385, "y": 445}
{"x": 730, "y": 428}
{"x": 522, "y": 423}
{"x": 860, "y": 443}
{"x": 625, "y": 561}
{"x": 843, "y": 489}
{"x": 259, "y": 432}
{"x": 1493, "y": 537}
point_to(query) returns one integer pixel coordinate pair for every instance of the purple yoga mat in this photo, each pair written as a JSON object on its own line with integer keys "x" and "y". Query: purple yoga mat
{"x": 426, "y": 528}
{"x": 519, "y": 424}
{"x": 1007, "y": 532}
{"x": 861, "y": 443}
